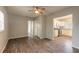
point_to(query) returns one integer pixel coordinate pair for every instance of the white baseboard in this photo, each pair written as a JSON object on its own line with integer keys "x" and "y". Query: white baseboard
{"x": 16, "y": 37}
{"x": 75, "y": 47}
{"x": 4, "y": 46}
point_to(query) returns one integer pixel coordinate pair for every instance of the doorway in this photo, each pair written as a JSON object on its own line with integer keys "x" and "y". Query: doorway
{"x": 62, "y": 26}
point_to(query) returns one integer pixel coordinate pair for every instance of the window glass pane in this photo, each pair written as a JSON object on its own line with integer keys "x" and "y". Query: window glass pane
{"x": 1, "y": 21}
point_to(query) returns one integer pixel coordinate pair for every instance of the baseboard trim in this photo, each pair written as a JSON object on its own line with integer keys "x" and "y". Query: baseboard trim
{"x": 18, "y": 37}
{"x": 27, "y": 37}
{"x": 45, "y": 38}
{"x": 4, "y": 46}
{"x": 75, "y": 47}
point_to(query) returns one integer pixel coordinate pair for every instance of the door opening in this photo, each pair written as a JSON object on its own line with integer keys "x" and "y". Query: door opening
{"x": 63, "y": 26}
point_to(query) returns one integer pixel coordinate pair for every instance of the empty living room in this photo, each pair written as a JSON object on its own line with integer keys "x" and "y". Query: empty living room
{"x": 39, "y": 29}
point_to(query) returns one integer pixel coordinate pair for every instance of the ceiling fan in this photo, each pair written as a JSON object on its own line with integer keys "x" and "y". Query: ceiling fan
{"x": 38, "y": 10}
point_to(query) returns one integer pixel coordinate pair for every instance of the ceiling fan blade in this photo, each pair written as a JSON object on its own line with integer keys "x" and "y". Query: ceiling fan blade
{"x": 43, "y": 8}
{"x": 36, "y": 9}
{"x": 30, "y": 10}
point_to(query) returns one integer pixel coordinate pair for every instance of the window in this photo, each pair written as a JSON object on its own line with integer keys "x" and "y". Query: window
{"x": 1, "y": 21}
{"x": 30, "y": 28}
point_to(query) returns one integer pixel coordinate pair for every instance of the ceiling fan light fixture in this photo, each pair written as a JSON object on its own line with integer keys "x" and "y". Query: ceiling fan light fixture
{"x": 39, "y": 11}
{"x": 36, "y": 12}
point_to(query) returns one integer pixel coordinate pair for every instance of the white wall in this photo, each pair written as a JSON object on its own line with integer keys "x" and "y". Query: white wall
{"x": 3, "y": 34}
{"x": 18, "y": 26}
{"x": 75, "y": 31}
{"x": 76, "y": 28}
{"x": 49, "y": 27}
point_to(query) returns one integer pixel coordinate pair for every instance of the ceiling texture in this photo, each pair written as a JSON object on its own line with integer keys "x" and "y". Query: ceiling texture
{"x": 26, "y": 10}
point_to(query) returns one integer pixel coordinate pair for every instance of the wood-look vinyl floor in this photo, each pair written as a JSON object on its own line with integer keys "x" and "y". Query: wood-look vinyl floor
{"x": 29, "y": 45}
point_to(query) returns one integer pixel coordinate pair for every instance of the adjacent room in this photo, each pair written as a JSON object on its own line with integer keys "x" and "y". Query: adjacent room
{"x": 63, "y": 26}
{"x": 39, "y": 29}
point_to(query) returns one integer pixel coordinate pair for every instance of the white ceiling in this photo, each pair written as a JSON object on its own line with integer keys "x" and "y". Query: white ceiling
{"x": 24, "y": 10}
